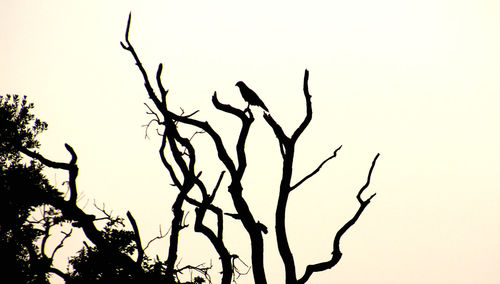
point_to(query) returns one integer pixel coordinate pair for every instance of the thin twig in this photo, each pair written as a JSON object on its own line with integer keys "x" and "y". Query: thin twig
{"x": 161, "y": 236}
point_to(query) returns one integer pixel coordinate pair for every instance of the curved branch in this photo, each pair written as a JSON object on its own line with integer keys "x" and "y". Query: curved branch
{"x": 228, "y": 108}
{"x": 71, "y": 167}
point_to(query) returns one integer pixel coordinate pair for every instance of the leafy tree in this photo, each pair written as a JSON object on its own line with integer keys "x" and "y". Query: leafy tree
{"x": 22, "y": 189}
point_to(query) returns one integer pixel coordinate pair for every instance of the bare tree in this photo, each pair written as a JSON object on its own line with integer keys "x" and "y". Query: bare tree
{"x": 287, "y": 149}
{"x": 178, "y": 155}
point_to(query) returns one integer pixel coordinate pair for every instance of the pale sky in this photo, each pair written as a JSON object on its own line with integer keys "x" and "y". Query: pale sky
{"x": 417, "y": 81}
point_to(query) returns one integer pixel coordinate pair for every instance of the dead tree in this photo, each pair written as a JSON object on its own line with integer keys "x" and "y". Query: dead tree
{"x": 287, "y": 149}
{"x": 190, "y": 178}
{"x": 180, "y": 164}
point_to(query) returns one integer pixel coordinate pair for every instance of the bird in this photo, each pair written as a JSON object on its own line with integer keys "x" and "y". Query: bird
{"x": 250, "y": 96}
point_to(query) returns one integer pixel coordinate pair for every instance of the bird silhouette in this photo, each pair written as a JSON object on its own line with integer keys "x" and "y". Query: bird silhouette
{"x": 250, "y": 96}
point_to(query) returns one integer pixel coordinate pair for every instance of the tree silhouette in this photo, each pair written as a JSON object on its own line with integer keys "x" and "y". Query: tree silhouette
{"x": 189, "y": 178}
{"x": 32, "y": 209}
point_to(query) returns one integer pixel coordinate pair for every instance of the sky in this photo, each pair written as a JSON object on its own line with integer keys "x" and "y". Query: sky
{"x": 416, "y": 81}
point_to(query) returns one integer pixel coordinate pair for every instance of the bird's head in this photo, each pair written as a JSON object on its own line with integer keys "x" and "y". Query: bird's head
{"x": 240, "y": 84}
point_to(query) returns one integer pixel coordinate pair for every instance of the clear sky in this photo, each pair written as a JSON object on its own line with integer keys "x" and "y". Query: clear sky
{"x": 417, "y": 81}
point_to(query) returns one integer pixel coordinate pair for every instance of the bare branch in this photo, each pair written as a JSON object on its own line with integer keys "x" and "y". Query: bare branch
{"x": 212, "y": 196}
{"x": 308, "y": 117}
{"x": 61, "y": 243}
{"x": 278, "y": 131}
{"x": 137, "y": 238}
{"x": 159, "y": 237}
{"x": 337, "y": 254}
{"x": 201, "y": 268}
{"x": 71, "y": 167}
{"x": 365, "y": 186}
{"x": 206, "y": 127}
{"x": 237, "y": 272}
{"x": 230, "y": 109}
{"x": 152, "y": 112}
{"x": 245, "y": 128}
{"x": 163, "y": 92}
{"x": 316, "y": 170}
{"x": 287, "y": 148}
{"x": 108, "y": 216}
{"x": 155, "y": 119}
{"x": 147, "y": 84}
{"x": 216, "y": 241}
{"x": 166, "y": 164}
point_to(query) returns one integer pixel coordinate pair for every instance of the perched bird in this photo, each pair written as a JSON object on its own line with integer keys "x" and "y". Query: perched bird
{"x": 250, "y": 96}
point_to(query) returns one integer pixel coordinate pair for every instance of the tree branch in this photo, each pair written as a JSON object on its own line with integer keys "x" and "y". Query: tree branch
{"x": 217, "y": 242}
{"x": 316, "y": 170}
{"x": 71, "y": 167}
{"x": 287, "y": 148}
{"x": 61, "y": 243}
{"x": 308, "y": 117}
{"x": 235, "y": 189}
{"x": 278, "y": 131}
{"x": 137, "y": 238}
{"x": 217, "y": 185}
{"x": 71, "y": 211}
{"x": 128, "y": 46}
{"x": 64, "y": 276}
{"x": 161, "y": 236}
{"x": 163, "y": 92}
{"x": 337, "y": 254}
{"x": 365, "y": 186}
{"x": 229, "y": 109}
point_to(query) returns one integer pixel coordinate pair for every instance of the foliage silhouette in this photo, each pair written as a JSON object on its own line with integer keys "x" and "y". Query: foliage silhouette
{"x": 22, "y": 189}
